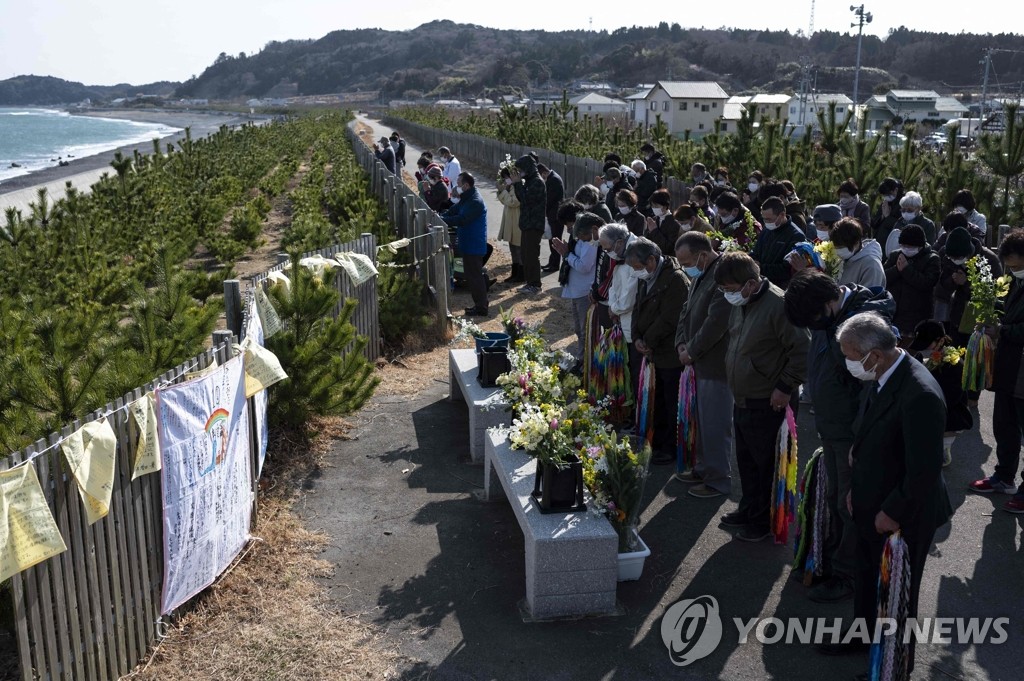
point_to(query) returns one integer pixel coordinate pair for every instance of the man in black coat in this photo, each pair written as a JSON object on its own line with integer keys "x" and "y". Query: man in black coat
{"x": 1008, "y": 407}
{"x": 532, "y": 195}
{"x": 655, "y": 161}
{"x": 383, "y": 151}
{"x": 815, "y": 301}
{"x": 398, "y": 144}
{"x": 776, "y": 242}
{"x": 897, "y": 462}
{"x": 555, "y": 193}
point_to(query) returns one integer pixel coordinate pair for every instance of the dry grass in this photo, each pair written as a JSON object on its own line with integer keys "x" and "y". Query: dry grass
{"x": 268, "y": 618}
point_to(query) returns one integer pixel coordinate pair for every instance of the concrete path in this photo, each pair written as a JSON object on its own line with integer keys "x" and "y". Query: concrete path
{"x": 442, "y": 573}
{"x": 55, "y": 190}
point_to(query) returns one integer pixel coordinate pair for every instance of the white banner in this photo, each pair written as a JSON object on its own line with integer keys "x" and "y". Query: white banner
{"x": 206, "y": 476}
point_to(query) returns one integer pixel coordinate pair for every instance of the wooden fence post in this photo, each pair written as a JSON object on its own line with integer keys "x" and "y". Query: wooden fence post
{"x": 439, "y": 263}
{"x": 233, "y": 305}
{"x": 221, "y": 337}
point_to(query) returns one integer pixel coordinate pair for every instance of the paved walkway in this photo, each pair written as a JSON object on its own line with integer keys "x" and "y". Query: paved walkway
{"x": 442, "y": 573}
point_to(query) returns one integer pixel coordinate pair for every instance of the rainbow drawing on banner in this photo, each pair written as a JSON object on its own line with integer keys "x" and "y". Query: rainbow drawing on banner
{"x": 217, "y": 432}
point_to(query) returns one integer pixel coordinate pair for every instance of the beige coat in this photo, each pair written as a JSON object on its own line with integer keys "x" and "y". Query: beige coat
{"x": 509, "y": 230}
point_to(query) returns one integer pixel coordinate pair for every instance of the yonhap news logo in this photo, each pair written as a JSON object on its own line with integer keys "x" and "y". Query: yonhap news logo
{"x": 691, "y": 629}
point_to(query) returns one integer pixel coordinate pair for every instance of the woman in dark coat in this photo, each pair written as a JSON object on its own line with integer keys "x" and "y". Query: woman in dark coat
{"x": 663, "y": 229}
{"x": 626, "y": 212}
{"x": 910, "y": 275}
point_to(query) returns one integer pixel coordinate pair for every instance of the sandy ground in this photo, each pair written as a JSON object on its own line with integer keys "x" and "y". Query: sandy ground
{"x": 83, "y": 172}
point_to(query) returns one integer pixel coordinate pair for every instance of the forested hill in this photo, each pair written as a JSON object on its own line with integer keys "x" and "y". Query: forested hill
{"x": 443, "y": 58}
{"x": 446, "y": 59}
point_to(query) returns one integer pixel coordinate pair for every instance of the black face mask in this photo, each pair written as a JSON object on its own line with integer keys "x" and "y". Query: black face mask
{"x": 823, "y": 322}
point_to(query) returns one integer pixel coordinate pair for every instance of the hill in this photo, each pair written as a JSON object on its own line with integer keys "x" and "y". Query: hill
{"x": 446, "y": 59}
{"x": 26, "y": 90}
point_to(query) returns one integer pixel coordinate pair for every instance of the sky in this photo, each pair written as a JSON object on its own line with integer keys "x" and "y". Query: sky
{"x": 104, "y": 42}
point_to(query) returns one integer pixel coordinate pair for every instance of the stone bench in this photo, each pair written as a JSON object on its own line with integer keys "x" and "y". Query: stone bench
{"x": 486, "y": 405}
{"x": 571, "y": 558}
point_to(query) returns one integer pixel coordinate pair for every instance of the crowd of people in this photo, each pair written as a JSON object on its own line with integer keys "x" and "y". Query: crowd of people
{"x": 722, "y": 283}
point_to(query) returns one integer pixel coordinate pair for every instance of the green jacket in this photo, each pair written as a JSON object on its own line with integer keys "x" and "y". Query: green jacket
{"x": 658, "y": 304}
{"x": 704, "y": 326}
{"x": 765, "y": 351}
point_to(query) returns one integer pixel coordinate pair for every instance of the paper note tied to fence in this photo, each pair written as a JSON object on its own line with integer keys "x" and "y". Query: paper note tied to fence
{"x": 147, "y": 452}
{"x": 262, "y": 367}
{"x": 358, "y": 267}
{"x": 90, "y": 455}
{"x": 28, "y": 533}
{"x": 268, "y": 315}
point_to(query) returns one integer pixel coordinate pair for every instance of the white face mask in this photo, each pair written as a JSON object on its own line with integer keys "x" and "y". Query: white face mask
{"x": 625, "y": 210}
{"x": 858, "y": 371}
{"x": 823, "y": 235}
{"x": 455, "y": 199}
{"x": 958, "y": 261}
{"x": 686, "y": 226}
{"x": 910, "y": 251}
{"x": 849, "y": 201}
{"x": 659, "y": 212}
{"x": 1017, "y": 274}
{"x": 608, "y": 185}
{"x": 719, "y": 183}
{"x": 727, "y": 219}
{"x": 959, "y": 209}
{"x": 888, "y": 198}
{"x": 642, "y": 274}
{"x": 613, "y": 255}
{"x": 844, "y": 253}
{"x": 508, "y": 182}
{"x": 588, "y": 206}
{"x": 771, "y": 226}
{"x": 909, "y": 217}
{"x": 753, "y": 186}
{"x": 736, "y": 298}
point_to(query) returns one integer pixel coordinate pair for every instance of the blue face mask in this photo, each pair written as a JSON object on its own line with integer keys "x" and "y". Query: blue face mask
{"x": 693, "y": 272}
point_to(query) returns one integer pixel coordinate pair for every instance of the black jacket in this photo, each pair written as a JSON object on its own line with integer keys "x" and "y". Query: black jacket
{"x": 836, "y": 392}
{"x": 656, "y": 163}
{"x": 532, "y": 195}
{"x": 610, "y": 199}
{"x": 881, "y": 226}
{"x": 770, "y": 251}
{"x": 387, "y": 157}
{"x": 897, "y": 453}
{"x": 665, "y": 234}
{"x": 437, "y": 196}
{"x": 646, "y": 185}
{"x": 656, "y": 313}
{"x": 950, "y": 379}
{"x": 1011, "y": 340}
{"x": 636, "y": 222}
{"x": 555, "y": 193}
{"x": 400, "y": 152}
{"x": 913, "y": 288}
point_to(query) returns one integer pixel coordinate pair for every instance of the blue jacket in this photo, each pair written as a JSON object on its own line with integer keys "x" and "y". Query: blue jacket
{"x": 470, "y": 216}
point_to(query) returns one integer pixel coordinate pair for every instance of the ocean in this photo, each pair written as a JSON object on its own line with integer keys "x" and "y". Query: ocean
{"x": 37, "y": 138}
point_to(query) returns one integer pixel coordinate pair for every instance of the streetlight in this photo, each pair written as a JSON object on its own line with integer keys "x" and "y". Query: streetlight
{"x": 862, "y": 18}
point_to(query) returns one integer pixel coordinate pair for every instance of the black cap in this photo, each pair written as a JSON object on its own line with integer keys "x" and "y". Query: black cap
{"x": 926, "y": 333}
{"x": 912, "y": 235}
{"x": 958, "y": 244}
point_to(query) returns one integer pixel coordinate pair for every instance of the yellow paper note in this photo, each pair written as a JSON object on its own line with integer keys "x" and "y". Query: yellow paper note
{"x": 262, "y": 368}
{"x": 202, "y": 372}
{"x": 280, "y": 279}
{"x": 268, "y": 315}
{"x": 90, "y": 455}
{"x": 357, "y": 266}
{"x": 28, "y": 533}
{"x": 147, "y": 453}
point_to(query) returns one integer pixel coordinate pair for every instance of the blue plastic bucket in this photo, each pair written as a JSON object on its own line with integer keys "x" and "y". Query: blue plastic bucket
{"x": 495, "y": 339}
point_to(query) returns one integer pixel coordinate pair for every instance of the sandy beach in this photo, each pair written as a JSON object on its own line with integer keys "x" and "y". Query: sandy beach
{"x": 84, "y": 172}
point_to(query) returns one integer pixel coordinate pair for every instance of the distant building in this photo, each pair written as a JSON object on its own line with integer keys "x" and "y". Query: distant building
{"x": 804, "y": 110}
{"x": 685, "y": 106}
{"x": 637, "y": 104}
{"x": 897, "y": 107}
{"x": 763, "y": 106}
{"x": 593, "y": 104}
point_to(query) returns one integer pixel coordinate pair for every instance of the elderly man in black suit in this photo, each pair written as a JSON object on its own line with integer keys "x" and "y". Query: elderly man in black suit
{"x": 896, "y": 458}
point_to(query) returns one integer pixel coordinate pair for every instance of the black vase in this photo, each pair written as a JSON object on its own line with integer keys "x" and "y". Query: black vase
{"x": 559, "y": 489}
{"x": 491, "y": 363}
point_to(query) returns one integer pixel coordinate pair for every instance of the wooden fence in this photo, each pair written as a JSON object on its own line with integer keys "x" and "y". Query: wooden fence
{"x": 92, "y": 612}
{"x": 413, "y": 219}
{"x": 489, "y": 152}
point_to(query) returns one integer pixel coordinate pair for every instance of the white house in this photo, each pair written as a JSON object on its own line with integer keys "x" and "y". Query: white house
{"x": 683, "y": 106}
{"x": 637, "y": 104}
{"x": 910, "y": 106}
{"x": 803, "y": 110}
{"x": 593, "y": 104}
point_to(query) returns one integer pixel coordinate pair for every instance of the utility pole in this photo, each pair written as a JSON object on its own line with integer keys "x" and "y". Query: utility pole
{"x": 987, "y": 61}
{"x": 862, "y": 18}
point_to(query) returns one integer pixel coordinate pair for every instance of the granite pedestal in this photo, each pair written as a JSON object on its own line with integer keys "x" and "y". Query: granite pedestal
{"x": 487, "y": 407}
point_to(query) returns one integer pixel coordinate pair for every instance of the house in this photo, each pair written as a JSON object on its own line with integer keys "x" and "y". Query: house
{"x": 897, "y": 107}
{"x": 637, "y": 104}
{"x": 804, "y": 109}
{"x": 762, "y": 106}
{"x": 593, "y": 104}
{"x": 733, "y": 112}
{"x": 685, "y": 106}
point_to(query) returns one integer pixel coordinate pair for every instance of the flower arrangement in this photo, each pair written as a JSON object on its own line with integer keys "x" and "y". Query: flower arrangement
{"x": 945, "y": 355}
{"x": 542, "y": 430}
{"x": 735, "y": 240}
{"x": 832, "y": 263}
{"x": 509, "y": 165}
{"x": 615, "y": 476}
{"x": 532, "y": 382}
{"x": 517, "y": 327}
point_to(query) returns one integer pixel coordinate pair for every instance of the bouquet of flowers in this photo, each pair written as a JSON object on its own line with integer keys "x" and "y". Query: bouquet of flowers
{"x": 945, "y": 355}
{"x": 831, "y": 263}
{"x": 467, "y": 329}
{"x": 542, "y": 430}
{"x": 615, "y": 476}
{"x": 532, "y": 382}
{"x": 735, "y": 239}
{"x": 985, "y": 294}
{"x": 508, "y": 164}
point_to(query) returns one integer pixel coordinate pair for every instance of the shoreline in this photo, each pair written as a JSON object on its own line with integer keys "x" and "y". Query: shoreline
{"x": 202, "y": 123}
